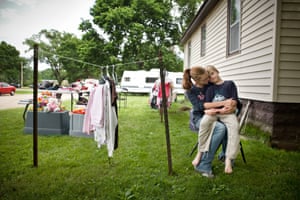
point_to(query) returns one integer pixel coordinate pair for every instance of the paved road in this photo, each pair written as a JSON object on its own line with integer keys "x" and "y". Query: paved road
{"x": 7, "y": 101}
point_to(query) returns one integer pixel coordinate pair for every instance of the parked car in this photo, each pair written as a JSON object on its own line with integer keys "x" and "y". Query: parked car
{"x": 45, "y": 84}
{"x": 5, "y": 88}
{"x": 17, "y": 85}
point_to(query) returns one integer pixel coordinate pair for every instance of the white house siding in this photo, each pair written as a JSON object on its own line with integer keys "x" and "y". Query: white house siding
{"x": 215, "y": 36}
{"x": 289, "y": 54}
{"x": 251, "y": 69}
{"x": 215, "y": 41}
{"x": 195, "y": 52}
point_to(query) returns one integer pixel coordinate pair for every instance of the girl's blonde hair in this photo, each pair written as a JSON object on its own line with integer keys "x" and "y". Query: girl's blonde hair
{"x": 211, "y": 68}
{"x": 191, "y": 73}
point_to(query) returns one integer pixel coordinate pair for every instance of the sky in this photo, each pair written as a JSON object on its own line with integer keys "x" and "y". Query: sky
{"x": 20, "y": 19}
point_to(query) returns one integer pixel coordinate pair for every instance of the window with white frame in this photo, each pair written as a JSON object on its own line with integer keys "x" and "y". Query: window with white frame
{"x": 203, "y": 40}
{"x": 234, "y": 26}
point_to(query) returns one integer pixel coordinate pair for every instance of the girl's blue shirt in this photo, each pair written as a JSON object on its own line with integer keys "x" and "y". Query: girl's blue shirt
{"x": 196, "y": 96}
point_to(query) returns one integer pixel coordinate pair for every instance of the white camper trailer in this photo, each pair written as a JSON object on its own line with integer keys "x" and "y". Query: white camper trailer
{"x": 139, "y": 81}
{"x": 176, "y": 78}
{"x": 142, "y": 81}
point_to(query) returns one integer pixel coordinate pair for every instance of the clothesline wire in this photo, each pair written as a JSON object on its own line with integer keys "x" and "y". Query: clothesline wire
{"x": 102, "y": 67}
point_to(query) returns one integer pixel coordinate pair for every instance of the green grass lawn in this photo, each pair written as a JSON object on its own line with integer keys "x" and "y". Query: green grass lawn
{"x": 24, "y": 90}
{"x": 74, "y": 168}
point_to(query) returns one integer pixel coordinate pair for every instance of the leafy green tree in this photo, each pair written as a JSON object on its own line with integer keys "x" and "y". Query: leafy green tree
{"x": 10, "y": 63}
{"x": 187, "y": 11}
{"x": 46, "y": 75}
{"x": 27, "y": 76}
{"x": 94, "y": 50}
{"x": 68, "y": 56}
{"x": 71, "y": 60}
{"x": 138, "y": 30}
{"x": 57, "y": 49}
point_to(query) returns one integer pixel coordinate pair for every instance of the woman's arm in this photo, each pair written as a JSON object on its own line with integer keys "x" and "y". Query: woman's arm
{"x": 228, "y": 106}
{"x": 228, "y": 103}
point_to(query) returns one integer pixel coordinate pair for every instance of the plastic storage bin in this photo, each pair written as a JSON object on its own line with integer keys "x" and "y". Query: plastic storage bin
{"x": 76, "y": 123}
{"x": 49, "y": 123}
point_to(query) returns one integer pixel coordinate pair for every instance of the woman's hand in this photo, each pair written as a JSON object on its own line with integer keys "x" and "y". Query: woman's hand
{"x": 211, "y": 111}
{"x": 229, "y": 106}
{"x": 229, "y": 103}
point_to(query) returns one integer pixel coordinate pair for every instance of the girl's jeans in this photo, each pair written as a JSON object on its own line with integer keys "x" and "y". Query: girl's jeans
{"x": 219, "y": 137}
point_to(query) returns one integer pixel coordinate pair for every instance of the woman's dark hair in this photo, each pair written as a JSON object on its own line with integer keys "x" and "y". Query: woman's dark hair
{"x": 186, "y": 81}
{"x": 191, "y": 73}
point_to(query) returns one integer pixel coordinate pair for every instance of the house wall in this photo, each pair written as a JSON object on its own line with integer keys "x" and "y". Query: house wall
{"x": 268, "y": 65}
{"x": 267, "y": 68}
{"x": 252, "y": 69}
{"x": 288, "y": 55}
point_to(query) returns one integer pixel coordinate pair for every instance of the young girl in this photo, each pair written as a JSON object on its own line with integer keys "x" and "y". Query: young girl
{"x": 219, "y": 91}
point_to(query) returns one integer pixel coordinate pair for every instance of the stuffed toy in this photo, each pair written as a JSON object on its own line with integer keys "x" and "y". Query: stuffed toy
{"x": 53, "y": 105}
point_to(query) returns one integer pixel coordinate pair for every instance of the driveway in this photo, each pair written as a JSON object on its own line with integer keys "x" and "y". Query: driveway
{"x": 8, "y": 102}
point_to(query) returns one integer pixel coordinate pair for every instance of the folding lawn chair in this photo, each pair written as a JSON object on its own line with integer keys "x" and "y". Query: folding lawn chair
{"x": 242, "y": 121}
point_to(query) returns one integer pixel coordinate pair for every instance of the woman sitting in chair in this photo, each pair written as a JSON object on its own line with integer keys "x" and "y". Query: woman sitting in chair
{"x": 219, "y": 91}
{"x": 195, "y": 82}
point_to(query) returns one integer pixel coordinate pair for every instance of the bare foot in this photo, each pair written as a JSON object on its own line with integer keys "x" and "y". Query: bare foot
{"x": 197, "y": 160}
{"x": 228, "y": 167}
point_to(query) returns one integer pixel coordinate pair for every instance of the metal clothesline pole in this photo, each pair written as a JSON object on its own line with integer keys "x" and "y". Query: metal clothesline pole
{"x": 35, "y": 113}
{"x": 166, "y": 120}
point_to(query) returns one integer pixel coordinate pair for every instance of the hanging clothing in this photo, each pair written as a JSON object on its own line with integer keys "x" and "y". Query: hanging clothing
{"x": 101, "y": 117}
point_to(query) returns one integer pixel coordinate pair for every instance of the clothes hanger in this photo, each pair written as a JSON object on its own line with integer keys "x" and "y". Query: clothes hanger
{"x": 102, "y": 77}
{"x": 107, "y": 72}
{"x": 114, "y": 75}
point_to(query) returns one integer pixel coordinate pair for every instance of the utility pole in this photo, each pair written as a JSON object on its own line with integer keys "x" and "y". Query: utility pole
{"x": 21, "y": 76}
